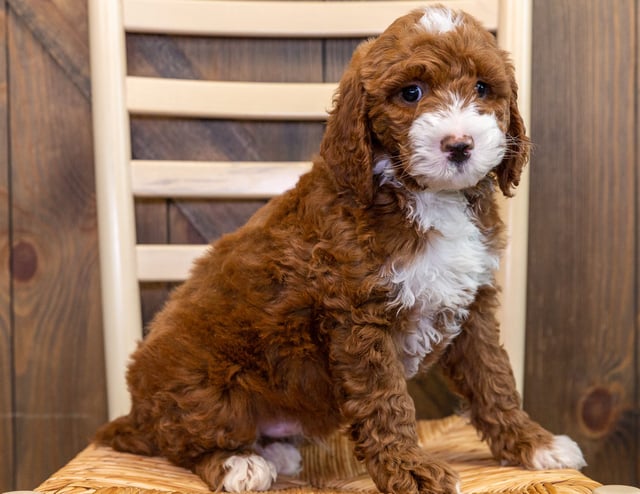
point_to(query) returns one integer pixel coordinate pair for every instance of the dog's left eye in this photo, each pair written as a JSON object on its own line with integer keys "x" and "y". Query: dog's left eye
{"x": 412, "y": 93}
{"x": 483, "y": 89}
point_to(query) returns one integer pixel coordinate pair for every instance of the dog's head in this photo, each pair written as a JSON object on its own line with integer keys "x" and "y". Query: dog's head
{"x": 429, "y": 104}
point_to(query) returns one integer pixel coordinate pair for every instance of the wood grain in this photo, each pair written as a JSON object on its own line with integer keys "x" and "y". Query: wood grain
{"x": 59, "y": 370}
{"x": 151, "y": 227}
{"x": 581, "y": 326}
{"x": 636, "y": 124}
{"x": 6, "y": 330}
{"x": 62, "y": 31}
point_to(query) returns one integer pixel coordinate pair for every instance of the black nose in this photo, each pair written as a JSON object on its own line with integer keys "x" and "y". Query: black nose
{"x": 458, "y": 148}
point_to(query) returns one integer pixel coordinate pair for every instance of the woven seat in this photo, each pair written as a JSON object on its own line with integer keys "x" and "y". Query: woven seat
{"x": 330, "y": 465}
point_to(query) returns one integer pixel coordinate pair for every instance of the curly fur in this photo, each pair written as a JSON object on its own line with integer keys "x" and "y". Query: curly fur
{"x": 376, "y": 265}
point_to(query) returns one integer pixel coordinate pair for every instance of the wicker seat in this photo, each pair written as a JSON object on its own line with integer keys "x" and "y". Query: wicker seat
{"x": 330, "y": 466}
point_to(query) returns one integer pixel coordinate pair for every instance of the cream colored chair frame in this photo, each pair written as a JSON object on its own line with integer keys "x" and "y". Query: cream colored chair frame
{"x": 119, "y": 178}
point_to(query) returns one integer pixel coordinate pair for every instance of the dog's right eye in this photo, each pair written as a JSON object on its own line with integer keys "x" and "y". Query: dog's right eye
{"x": 412, "y": 93}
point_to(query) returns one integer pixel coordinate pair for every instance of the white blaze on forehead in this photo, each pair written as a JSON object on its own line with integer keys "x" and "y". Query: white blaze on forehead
{"x": 440, "y": 20}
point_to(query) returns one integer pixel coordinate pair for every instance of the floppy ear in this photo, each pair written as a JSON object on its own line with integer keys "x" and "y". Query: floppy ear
{"x": 508, "y": 172}
{"x": 346, "y": 145}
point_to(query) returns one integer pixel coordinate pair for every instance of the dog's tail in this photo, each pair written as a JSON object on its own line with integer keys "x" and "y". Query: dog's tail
{"x": 122, "y": 434}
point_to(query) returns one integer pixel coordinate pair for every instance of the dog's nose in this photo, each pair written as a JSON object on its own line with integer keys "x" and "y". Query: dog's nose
{"x": 458, "y": 147}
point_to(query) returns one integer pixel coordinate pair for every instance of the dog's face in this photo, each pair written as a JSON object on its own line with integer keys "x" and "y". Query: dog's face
{"x": 433, "y": 103}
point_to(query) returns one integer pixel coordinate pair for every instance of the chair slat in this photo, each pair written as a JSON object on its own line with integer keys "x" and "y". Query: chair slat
{"x": 229, "y": 180}
{"x": 311, "y": 19}
{"x": 166, "y": 262}
{"x": 229, "y": 100}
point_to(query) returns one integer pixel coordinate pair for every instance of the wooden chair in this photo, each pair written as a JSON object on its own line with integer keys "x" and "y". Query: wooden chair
{"x": 124, "y": 263}
{"x": 119, "y": 178}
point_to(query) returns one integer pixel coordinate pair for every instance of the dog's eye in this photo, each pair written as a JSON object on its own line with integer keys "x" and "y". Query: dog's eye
{"x": 412, "y": 93}
{"x": 483, "y": 89}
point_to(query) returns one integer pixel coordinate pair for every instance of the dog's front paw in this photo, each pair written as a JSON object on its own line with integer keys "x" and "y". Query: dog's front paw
{"x": 563, "y": 452}
{"x": 248, "y": 473}
{"x": 414, "y": 473}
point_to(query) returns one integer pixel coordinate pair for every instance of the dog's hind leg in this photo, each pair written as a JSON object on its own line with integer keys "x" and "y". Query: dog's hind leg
{"x": 479, "y": 368}
{"x": 213, "y": 433}
{"x": 283, "y": 455}
{"x": 236, "y": 471}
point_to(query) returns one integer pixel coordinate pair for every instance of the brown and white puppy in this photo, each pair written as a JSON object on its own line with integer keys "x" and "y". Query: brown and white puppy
{"x": 377, "y": 264}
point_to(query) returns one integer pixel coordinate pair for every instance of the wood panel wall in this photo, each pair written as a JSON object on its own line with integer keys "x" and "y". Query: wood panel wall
{"x": 55, "y": 371}
{"x": 6, "y": 362}
{"x": 582, "y": 327}
{"x": 582, "y": 369}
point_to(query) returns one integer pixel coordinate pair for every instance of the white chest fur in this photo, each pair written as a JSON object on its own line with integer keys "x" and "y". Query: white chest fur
{"x": 439, "y": 283}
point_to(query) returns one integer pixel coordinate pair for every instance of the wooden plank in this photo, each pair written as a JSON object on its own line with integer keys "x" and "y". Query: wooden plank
{"x": 581, "y": 372}
{"x": 231, "y": 180}
{"x": 6, "y": 330}
{"x": 151, "y": 228}
{"x": 166, "y": 262}
{"x": 636, "y": 426}
{"x": 432, "y": 396}
{"x": 229, "y": 100}
{"x": 62, "y": 37}
{"x": 337, "y": 56}
{"x": 313, "y": 19}
{"x": 59, "y": 370}
{"x": 203, "y": 221}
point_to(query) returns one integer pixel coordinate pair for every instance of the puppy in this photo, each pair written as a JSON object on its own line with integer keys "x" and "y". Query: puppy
{"x": 376, "y": 265}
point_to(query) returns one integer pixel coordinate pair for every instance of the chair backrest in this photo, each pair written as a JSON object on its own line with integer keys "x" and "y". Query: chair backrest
{"x": 119, "y": 178}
